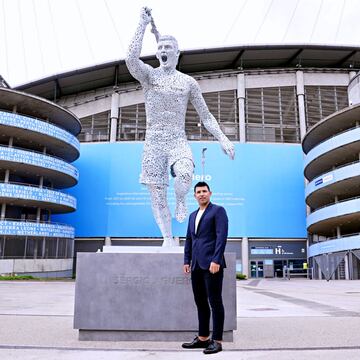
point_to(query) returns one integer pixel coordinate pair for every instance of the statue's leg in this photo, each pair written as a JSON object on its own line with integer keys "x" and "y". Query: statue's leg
{"x": 183, "y": 170}
{"x": 161, "y": 211}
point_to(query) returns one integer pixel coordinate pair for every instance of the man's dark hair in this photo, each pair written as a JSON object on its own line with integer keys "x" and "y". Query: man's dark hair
{"x": 201, "y": 184}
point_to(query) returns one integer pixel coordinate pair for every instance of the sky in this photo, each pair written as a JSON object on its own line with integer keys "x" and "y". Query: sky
{"x": 41, "y": 38}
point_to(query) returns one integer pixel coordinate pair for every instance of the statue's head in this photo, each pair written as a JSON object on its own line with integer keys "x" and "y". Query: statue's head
{"x": 168, "y": 52}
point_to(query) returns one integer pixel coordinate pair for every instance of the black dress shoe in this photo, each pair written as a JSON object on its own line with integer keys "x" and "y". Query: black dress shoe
{"x": 213, "y": 348}
{"x": 197, "y": 344}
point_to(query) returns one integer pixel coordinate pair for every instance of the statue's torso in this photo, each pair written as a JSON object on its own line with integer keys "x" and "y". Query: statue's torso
{"x": 166, "y": 100}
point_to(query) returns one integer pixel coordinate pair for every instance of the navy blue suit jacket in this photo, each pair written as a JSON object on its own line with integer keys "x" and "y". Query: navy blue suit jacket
{"x": 208, "y": 243}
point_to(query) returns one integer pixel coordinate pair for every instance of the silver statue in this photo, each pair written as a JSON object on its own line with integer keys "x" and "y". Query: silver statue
{"x": 167, "y": 93}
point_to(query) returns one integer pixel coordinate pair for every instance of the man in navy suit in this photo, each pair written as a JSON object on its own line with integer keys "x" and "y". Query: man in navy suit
{"x": 204, "y": 258}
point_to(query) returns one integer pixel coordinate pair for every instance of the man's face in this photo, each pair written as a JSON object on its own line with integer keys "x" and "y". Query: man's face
{"x": 202, "y": 195}
{"x": 167, "y": 53}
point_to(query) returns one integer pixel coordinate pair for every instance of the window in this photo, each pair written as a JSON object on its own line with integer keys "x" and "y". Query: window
{"x": 13, "y": 246}
{"x": 321, "y": 101}
{"x": 132, "y": 122}
{"x": 48, "y": 248}
{"x": 95, "y": 127}
{"x": 223, "y": 105}
{"x": 271, "y": 115}
{"x": 34, "y": 247}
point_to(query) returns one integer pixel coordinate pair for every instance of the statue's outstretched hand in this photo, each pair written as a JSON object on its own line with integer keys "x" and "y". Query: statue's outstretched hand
{"x": 145, "y": 15}
{"x": 228, "y": 147}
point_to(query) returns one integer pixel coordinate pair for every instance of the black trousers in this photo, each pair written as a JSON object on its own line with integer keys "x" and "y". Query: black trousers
{"x": 207, "y": 288}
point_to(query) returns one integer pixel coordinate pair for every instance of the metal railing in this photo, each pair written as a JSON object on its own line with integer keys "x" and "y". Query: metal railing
{"x": 335, "y": 203}
{"x": 335, "y": 135}
{"x": 34, "y": 221}
{"x": 33, "y": 151}
{"x": 334, "y": 169}
{"x": 38, "y": 119}
{"x": 289, "y": 273}
{"x": 335, "y": 238}
{"x": 35, "y": 186}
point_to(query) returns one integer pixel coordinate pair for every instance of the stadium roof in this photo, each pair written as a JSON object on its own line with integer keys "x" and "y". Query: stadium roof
{"x": 201, "y": 60}
{"x": 39, "y": 108}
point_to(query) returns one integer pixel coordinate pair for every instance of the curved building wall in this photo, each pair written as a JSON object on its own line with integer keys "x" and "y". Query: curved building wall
{"x": 331, "y": 165}
{"x": 354, "y": 90}
{"x": 35, "y": 156}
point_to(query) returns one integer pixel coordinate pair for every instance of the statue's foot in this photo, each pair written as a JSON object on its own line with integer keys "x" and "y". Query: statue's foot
{"x": 180, "y": 211}
{"x": 169, "y": 242}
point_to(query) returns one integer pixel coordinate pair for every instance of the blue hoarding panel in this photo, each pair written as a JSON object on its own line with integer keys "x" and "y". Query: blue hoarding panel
{"x": 262, "y": 191}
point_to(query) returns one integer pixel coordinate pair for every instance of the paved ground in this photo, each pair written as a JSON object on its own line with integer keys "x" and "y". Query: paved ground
{"x": 277, "y": 319}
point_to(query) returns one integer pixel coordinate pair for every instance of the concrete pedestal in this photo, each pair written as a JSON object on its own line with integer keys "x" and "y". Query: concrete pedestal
{"x": 142, "y": 293}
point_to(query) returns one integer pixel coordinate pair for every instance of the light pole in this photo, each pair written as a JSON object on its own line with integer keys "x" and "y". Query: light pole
{"x": 203, "y": 163}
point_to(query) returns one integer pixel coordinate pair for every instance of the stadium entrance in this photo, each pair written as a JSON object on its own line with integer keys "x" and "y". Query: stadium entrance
{"x": 275, "y": 258}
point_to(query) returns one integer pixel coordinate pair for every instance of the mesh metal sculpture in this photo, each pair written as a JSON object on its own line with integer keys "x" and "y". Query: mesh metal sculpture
{"x": 167, "y": 93}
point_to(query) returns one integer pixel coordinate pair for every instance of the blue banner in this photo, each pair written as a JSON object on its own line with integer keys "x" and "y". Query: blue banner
{"x": 29, "y": 123}
{"x": 262, "y": 191}
{"x": 36, "y": 159}
{"x": 23, "y": 228}
{"x": 36, "y": 193}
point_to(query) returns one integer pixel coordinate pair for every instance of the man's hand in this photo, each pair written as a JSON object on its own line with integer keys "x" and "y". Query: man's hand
{"x": 186, "y": 268}
{"x": 214, "y": 268}
{"x": 145, "y": 15}
{"x": 228, "y": 147}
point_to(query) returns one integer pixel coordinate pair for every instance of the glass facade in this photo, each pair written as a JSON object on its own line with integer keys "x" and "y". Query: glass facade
{"x": 132, "y": 123}
{"x": 223, "y": 105}
{"x": 28, "y": 247}
{"x": 322, "y": 101}
{"x": 271, "y": 115}
{"x": 95, "y": 127}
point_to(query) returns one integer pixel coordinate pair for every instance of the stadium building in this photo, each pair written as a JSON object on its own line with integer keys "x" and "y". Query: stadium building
{"x": 266, "y": 99}
{"x": 37, "y": 144}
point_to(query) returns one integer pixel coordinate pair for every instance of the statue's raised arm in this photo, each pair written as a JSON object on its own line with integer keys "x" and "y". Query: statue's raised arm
{"x": 138, "y": 69}
{"x": 208, "y": 119}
